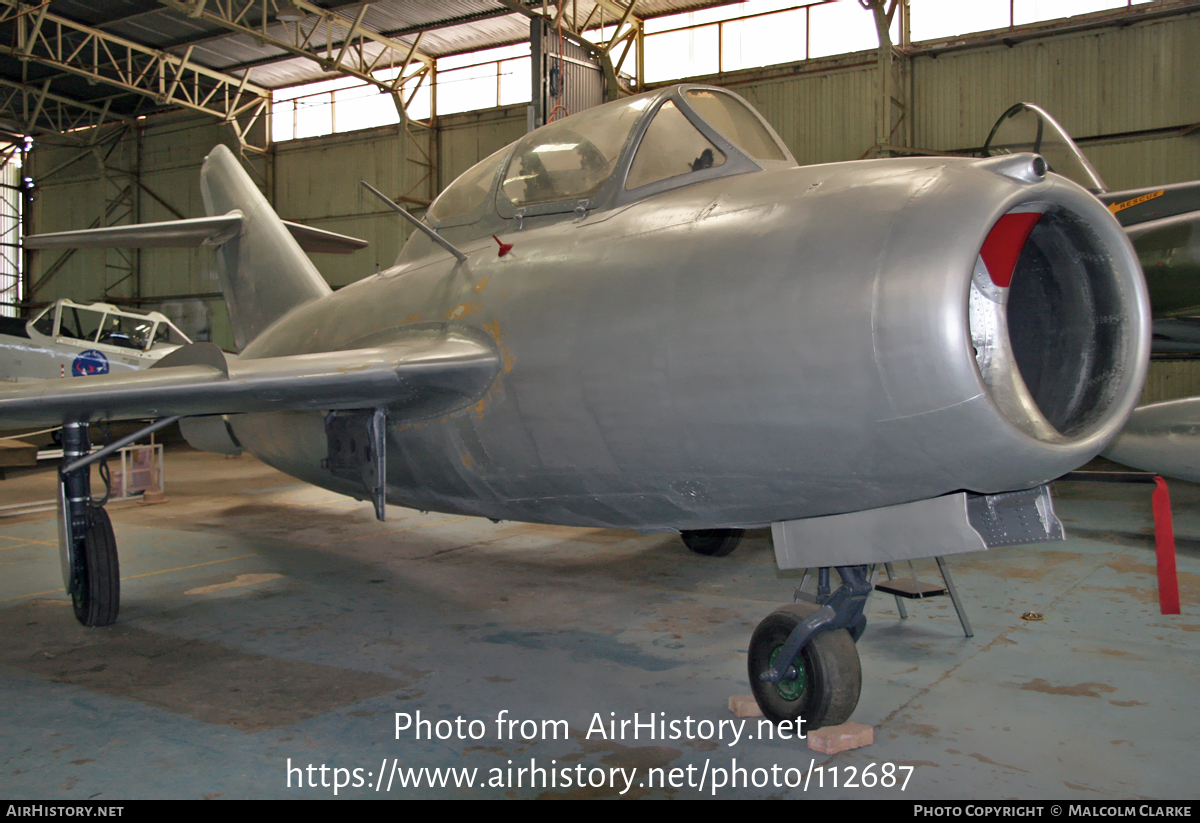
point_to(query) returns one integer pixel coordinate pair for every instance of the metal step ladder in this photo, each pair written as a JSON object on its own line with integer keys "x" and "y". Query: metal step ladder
{"x": 913, "y": 589}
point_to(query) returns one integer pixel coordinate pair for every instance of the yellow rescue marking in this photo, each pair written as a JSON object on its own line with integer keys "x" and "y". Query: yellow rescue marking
{"x": 238, "y": 582}
{"x": 1116, "y": 207}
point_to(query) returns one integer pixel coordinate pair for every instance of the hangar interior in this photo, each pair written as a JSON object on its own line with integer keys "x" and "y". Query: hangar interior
{"x": 268, "y": 623}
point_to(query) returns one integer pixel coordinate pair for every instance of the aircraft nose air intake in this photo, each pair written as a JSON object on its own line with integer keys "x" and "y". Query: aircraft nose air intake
{"x": 1051, "y": 314}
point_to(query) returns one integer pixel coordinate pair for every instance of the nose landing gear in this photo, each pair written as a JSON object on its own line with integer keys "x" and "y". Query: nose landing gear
{"x": 803, "y": 662}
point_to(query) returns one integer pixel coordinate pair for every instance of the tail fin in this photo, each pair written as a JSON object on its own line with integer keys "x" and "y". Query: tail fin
{"x": 264, "y": 273}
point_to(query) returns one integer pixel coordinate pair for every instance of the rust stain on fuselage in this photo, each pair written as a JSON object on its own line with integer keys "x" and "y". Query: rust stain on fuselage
{"x": 462, "y": 310}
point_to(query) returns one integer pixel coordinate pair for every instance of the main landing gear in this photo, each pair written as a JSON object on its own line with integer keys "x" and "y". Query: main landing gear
{"x": 87, "y": 548}
{"x": 803, "y": 662}
{"x": 713, "y": 542}
{"x": 91, "y": 572}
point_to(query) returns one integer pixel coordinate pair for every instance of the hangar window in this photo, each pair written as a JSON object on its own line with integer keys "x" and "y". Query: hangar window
{"x": 14, "y": 188}
{"x": 571, "y": 158}
{"x": 670, "y": 147}
{"x": 469, "y": 191}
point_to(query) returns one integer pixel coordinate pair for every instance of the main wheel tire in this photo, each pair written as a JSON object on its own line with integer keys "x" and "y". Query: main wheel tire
{"x": 97, "y": 595}
{"x": 830, "y": 677}
{"x": 713, "y": 542}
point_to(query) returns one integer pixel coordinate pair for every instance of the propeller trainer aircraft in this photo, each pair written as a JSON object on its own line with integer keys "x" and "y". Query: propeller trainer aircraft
{"x": 647, "y": 316}
{"x": 70, "y": 339}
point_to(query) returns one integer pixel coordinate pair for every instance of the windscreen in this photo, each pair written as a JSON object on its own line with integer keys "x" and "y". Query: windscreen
{"x": 1025, "y": 127}
{"x": 469, "y": 191}
{"x": 45, "y": 322}
{"x": 166, "y": 334}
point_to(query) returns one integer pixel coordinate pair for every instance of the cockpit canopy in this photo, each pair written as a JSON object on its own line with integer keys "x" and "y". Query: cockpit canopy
{"x": 103, "y": 323}
{"x": 608, "y": 156}
{"x": 1026, "y": 127}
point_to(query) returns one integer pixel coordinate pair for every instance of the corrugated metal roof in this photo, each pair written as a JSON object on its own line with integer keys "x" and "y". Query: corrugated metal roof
{"x": 450, "y": 27}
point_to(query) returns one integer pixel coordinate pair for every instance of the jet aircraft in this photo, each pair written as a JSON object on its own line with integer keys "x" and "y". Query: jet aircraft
{"x": 1164, "y": 224}
{"x": 647, "y": 316}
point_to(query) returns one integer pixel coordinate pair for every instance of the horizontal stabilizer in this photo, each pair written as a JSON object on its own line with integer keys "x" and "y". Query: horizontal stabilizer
{"x": 170, "y": 234}
{"x": 195, "y": 231}
{"x": 320, "y": 241}
{"x": 422, "y": 376}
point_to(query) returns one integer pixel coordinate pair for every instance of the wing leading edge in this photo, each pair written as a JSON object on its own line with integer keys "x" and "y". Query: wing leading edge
{"x": 417, "y": 377}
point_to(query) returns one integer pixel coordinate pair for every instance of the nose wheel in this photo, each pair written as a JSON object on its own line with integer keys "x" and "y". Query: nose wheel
{"x": 827, "y": 676}
{"x": 803, "y": 663}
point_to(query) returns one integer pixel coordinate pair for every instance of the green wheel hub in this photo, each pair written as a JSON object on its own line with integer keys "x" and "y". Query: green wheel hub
{"x": 791, "y": 689}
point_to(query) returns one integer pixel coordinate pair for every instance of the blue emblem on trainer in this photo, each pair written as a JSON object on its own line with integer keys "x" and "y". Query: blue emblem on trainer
{"x": 90, "y": 362}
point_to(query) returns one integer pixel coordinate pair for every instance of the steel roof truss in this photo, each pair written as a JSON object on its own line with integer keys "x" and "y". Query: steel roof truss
{"x": 98, "y": 56}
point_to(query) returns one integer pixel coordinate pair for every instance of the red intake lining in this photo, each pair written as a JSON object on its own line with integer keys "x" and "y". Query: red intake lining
{"x": 1004, "y": 243}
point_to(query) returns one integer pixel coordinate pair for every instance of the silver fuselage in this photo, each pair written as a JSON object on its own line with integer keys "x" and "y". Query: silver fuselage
{"x": 757, "y": 348}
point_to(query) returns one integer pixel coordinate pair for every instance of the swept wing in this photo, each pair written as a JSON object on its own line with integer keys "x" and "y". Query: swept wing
{"x": 415, "y": 377}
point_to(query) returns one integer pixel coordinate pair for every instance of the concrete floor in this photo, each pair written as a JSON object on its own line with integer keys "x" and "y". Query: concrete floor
{"x": 264, "y": 621}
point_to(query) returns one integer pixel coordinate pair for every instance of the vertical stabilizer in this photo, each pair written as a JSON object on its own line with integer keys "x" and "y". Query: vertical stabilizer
{"x": 264, "y": 272}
